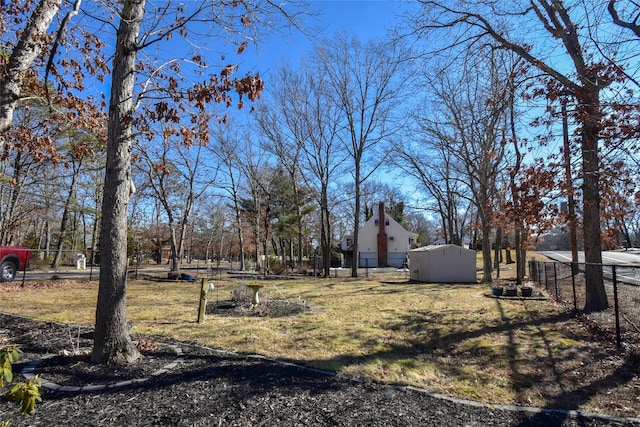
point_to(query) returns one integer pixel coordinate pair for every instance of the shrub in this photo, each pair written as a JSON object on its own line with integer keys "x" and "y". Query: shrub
{"x": 24, "y": 394}
{"x": 276, "y": 265}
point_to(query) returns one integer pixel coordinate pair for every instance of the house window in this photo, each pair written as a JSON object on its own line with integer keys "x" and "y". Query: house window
{"x": 391, "y": 238}
{"x": 376, "y": 222}
{"x": 386, "y": 222}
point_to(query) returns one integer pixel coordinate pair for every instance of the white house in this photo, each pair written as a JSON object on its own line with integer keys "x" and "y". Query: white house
{"x": 381, "y": 243}
{"x": 443, "y": 264}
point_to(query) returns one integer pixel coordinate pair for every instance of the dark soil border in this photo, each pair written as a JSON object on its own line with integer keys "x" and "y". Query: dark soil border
{"x": 216, "y": 387}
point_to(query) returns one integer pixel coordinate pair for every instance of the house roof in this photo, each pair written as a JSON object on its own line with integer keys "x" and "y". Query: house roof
{"x": 391, "y": 220}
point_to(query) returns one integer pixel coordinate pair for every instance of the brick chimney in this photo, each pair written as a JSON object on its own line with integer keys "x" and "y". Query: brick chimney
{"x": 382, "y": 237}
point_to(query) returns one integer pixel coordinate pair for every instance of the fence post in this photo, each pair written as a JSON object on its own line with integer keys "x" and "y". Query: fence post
{"x": 616, "y": 306}
{"x": 539, "y": 265}
{"x": 24, "y": 277}
{"x": 532, "y": 272}
{"x": 91, "y": 266}
{"x": 574, "y": 269}
{"x": 366, "y": 267}
{"x": 555, "y": 280}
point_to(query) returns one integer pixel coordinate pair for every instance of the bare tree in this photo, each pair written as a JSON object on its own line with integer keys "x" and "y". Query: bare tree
{"x": 25, "y": 171}
{"x": 469, "y": 129}
{"x": 301, "y": 125}
{"x": 79, "y": 148}
{"x": 256, "y": 204}
{"x": 428, "y": 159}
{"x": 285, "y": 133}
{"x": 366, "y": 83}
{"x": 323, "y": 158}
{"x": 225, "y": 147}
{"x": 112, "y": 342}
{"x": 585, "y": 81}
{"x": 514, "y": 170}
{"x": 630, "y": 19}
{"x": 215, "y": 225}
{"x": 178, "y": 177}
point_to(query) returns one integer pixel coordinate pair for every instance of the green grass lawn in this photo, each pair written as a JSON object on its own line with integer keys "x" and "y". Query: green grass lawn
{"x": 447, "y": 338}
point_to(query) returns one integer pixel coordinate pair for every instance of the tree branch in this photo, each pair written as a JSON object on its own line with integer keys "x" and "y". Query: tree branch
{"x": 633, "y": 26}
{"x": 52, "y": 53}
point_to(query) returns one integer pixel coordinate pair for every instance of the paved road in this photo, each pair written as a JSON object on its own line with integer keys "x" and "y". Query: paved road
{"x": 89, "y": 272}
{"x": 627, "y": 263}
{"x": 631, "y": 257}
{"x": 70, "y": 272}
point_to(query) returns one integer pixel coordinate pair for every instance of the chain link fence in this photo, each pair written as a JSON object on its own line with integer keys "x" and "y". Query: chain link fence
{"x": 565, "y": 282}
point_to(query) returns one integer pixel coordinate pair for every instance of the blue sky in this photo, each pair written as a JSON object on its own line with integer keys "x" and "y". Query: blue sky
{"x": 367, "y": 19}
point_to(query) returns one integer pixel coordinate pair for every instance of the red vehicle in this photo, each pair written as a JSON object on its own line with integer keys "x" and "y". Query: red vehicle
{"x": 12, "y": 260}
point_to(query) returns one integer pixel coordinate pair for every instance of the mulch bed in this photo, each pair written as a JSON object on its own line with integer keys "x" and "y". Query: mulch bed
{"x": 213, "y": 387}
{"x": 270, "y": 308}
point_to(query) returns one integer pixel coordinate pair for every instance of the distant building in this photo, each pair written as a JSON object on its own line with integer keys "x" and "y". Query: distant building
{"x": 382, "y": 242}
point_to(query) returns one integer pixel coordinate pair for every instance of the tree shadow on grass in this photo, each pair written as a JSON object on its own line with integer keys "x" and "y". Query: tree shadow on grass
{"x": 572, "y": 399}
{"x": 230, "y": 380}
{"x": 550, "y": 367}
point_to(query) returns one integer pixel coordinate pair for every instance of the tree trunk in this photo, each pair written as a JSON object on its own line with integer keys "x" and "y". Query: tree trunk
{"x": 65, "y": 217}
{"x": 596, "y": 296}
{"x": 356, "y": 222}
{"x": 515, "y": 193}
{"x": 486, "y": 252}
{"x": 497, "y": 253}
{"x": 509, "y": 258}
{"x": 571, "y": 204}
{"x": 26, "y": 50}
{"x": 450, "y": 237}
{"x": 265, "y": 246}
{"x": 485, "y": 224}
{"x": 175, "y": 260}
{"x": 241, "y": 261}
{"x": 325, "y": 231}
{"x": 112, "y": 342}
{"x": 184, "y": 226}
{"x": 62, "y": 232}
{"x": 47, "y": 244}
{"x": 446, "y": 229}
{"x": 256, "y": 236}
{"x": 236, "y": 207}
{"x": 300, "y": 233}
{"x": 18, "y": 176}
{"x": 94, "y": 239}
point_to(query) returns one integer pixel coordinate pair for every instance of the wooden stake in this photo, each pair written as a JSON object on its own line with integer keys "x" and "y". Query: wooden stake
{"x": 203, "y": 300}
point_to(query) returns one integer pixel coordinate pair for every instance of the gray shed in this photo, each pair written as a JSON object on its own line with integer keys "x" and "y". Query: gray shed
{"x": 443, "y": 264}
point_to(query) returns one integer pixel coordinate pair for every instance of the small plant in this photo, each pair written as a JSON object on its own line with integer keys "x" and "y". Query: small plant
{"x": 24, "y": 394}
{"x": 240, "y": 294}
{"x": 8, "y": 356}
{"x": 75, "y": 345}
